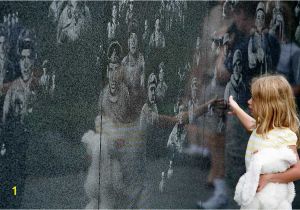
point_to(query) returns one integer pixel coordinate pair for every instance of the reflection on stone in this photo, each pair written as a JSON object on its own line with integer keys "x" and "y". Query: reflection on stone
{"x": 259, "y": 47}
{"x": 236, "y": 84}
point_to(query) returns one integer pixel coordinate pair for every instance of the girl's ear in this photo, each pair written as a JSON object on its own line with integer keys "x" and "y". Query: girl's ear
{"x": 251, "y": 180}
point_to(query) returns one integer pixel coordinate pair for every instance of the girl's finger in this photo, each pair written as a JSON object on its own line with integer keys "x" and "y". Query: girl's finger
{"x": 231, "y": 113}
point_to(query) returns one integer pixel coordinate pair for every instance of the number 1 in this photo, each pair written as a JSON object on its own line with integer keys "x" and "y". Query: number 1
{"x": 14, "y": 190}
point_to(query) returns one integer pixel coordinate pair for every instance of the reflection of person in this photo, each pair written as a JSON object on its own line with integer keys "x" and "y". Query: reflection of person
{"x": 213, "y": 80}
{"x": 239, "y": 31}
{"x": 236, "y": 84}
{"x": 150, "y": 119}
{"x": 289, "y": 60}
{"x": 194, "y": 127}
{"x": 259, "y": 47}
{"x": 162, "y": 86}
{"x": 16, "y": 110}
{"x": 274, "y": 123}
{"x": 134, "y": 73}
{"x": 150, "y": 122}
{"x": 277, "y": 22}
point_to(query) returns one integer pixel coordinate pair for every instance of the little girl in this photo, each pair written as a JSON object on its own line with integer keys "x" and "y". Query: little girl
{"x": 274, "y": 123}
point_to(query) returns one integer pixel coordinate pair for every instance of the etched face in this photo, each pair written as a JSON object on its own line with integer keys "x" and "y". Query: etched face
{"x": 146, "y": 25}
{"x": 297, "y": 9}
{"x": 70, "y": 8}
{"x": 2, "y": 41}
{"x": 237, "y": 69}
{"x": 215, "y": 48}
{"x": 130, "y": 5}
{"x": 133, "y": 43}
{"x": 243, "y": 22}
{"x": 161, "y": 75}
{"x": 157, "y": 25}
{"x": 194, "y": 92}
{"x": 198, "y": 43}
{"x": 113, "y": 80}
{"x": 18, "y": 108}
{"x": 279, "y": 18}
{"x": 180, "y": 109}
{"x": 114, "y": 11}
{"x": 152, "y": 93}
{"x": 26, "y": 63}
{"x": 260, "y": 19}
{"x": 180, "y": 113}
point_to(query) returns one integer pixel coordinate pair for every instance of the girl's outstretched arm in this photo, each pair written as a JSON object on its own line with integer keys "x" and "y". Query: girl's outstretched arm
{"x": 247, "y": 121}
{"x": 291, "y": 175}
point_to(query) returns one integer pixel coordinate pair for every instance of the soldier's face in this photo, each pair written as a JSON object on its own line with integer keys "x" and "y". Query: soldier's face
{"x": 26, "y": 63}
{"x": 215, "y": 48}
{"x": 180, "y": 113}
{"x": 260, "y": 19}
{"x": 70, "y": 8}
{"x": 198, "y": 43}
{"x": 114, "y": 11}
{"x": 131, "y": 5}
{"x": 18, "y": 108}
{"x": 225, "y": 49}
{"x": 161, "y": 75}
{"x": 133, "y": 42}
{"x": 112, "y": 72}
{"x": 279, "y": 18}
{"x": 146, "y": 25}
{"x": 157, "y": 25}
{"x": 237, "y": 69}
{"x": 2, "y": 40}
{"x": 243, "y": 22}
{"x": 152, "y": 93}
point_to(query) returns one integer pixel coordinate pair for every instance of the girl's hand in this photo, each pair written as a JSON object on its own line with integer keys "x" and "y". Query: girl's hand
{"x": 232, "y": 105}
{"x": 264, "y": 179}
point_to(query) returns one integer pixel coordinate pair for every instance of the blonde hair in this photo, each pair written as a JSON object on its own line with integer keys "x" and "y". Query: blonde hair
{"x": 274, "y": 104}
